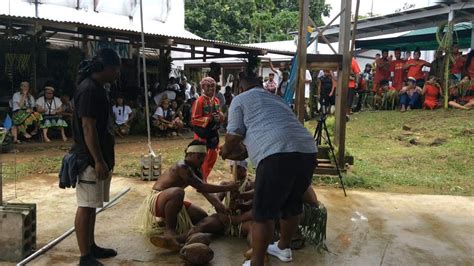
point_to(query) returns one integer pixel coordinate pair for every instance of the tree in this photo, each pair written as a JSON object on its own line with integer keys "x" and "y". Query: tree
{"x": 247, "y": 21}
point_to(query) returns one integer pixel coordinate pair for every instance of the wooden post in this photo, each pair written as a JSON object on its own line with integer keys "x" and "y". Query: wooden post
{"x": 472, "y": 35}
{"x": 301, "y": 57}
{"x": 343, "y": 80}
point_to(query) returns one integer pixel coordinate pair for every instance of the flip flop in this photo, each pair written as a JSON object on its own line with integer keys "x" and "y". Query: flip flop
{"x": 166, "y": 243}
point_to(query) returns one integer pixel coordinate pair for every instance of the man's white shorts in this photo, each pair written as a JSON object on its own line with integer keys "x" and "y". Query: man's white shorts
{"x": 91, "y": 192}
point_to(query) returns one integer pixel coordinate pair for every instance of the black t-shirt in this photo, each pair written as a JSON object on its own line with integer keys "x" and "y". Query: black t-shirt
{"x": 326, "y": 86}
{"x": 92, "y": 100}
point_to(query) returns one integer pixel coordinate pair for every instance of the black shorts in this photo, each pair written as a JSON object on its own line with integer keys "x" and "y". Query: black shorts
{"x": 350, "y": 97}
{"x": 281, "y": 180}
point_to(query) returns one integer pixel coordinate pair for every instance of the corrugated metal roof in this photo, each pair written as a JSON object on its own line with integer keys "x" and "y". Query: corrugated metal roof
{"x": 182, "y": 38}
{"x": 412, "y": 19}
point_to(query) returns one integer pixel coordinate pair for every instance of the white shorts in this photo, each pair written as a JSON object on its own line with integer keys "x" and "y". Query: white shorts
{"x": 91, "y": 192}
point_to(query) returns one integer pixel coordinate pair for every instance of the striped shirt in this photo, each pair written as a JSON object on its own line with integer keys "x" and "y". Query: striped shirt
{"x": 267, "y": 125}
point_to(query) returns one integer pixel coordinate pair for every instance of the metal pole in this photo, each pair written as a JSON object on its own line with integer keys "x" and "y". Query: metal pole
{"x": 145, "y": 82}
{"x": 301, "y": 57}
{"x": 1, "y": 182}
{"x": 472, "y": 35}
{"x": 68, "y": 232}
{"x": 343, "y": 80}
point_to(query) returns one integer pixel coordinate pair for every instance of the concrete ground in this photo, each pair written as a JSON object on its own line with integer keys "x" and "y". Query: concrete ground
{"x": 366, "y": 228}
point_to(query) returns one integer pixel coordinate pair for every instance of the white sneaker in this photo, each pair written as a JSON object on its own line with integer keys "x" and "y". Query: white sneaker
{"x": 247, "y": 263}
{"x": 282, "y": 254}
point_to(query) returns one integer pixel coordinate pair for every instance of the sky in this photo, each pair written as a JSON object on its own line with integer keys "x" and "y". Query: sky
{"x": 380, "y": 7}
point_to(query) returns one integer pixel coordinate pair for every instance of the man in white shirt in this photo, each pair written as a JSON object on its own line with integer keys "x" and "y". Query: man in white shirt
{"x": 123, "y": 117}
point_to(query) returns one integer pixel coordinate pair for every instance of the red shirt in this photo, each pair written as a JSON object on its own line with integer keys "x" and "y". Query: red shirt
{"x": 355, "y": 70}
{"x": 382, "y": 72}
{"x": 399, "y": 74}
{"x": 457, "y": 67}
{"x": 470, "y": 69}
{"x": 431, "y": 96}
{"x": 203, "y": 109}
{"x": 416, "y": 70}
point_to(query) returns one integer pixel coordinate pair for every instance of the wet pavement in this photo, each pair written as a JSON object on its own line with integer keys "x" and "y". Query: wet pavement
{"x": 366, "y": 228}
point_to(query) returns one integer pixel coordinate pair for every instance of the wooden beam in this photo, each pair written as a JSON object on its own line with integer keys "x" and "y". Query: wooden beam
{"x": 343, "y": 81}
{"x": 301, "y": 57}
{"x": 205, "y": 54}
{"x": 211, "y": 57}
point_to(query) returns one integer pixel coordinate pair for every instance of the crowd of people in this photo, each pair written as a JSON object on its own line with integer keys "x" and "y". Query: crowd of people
{"x": 413, "y": 82}
{"x": 38, "y": 116}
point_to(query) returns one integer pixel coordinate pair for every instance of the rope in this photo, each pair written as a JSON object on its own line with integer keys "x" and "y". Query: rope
{"x": 147, "y": 106}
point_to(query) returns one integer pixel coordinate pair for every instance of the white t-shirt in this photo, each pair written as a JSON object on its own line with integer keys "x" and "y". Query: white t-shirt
{"x": 278, "y": 76}
{"x": 307, "y": 85}
{"x": 160, "y": 112}
{"x": 48, "y": 107}
{"x": 30, "y": 103}
{"x": 122, "y": 114}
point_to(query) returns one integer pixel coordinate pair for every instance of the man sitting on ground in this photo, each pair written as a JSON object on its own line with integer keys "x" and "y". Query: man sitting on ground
{"x": 410, "y": 95}
{"x": 167, "y": 199}
{"x": 240, "y": 222}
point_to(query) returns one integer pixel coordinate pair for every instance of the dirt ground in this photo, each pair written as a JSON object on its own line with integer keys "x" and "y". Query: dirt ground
{"x": 366, "y": 228}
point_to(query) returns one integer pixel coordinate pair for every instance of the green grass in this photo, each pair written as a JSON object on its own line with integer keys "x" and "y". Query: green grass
{"x": 390, "y": 158}
{"x": 385, "y": 157}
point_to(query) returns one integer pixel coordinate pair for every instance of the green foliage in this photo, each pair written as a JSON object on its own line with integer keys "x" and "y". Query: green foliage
{"x": 247, "y": 21}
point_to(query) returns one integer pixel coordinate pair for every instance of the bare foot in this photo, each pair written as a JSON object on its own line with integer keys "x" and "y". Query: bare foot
{"x": 64, "y": 138}
{"x": 47, "y": 140}
{"x": 27, "y": 136}
{"x": 408, "y": 108}
{"x": 166, "y": 242}
{"x": 402, "y": 109}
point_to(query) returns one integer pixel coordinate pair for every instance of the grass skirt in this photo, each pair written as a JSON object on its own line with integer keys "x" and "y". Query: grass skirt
{"x": 146, "y": 220}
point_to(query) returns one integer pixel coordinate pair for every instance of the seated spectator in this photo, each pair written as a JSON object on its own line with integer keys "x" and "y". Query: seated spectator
{"x": 68, "y": 107}
{"x": 410, "y": 95}
{"x": 123, "y": 117}
{"x": 432, "y": 91}
{"x": 51, "y": 108}
{"x": 163, "y": 119}
{"x": 177, "y": 115}
{"x": 25, "y": 119}
{"x": 461, "y": 96}
{"x": 385, "y": 94}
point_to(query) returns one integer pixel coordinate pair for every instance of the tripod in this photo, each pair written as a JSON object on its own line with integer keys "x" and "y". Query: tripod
{"x": 318, "y": 136}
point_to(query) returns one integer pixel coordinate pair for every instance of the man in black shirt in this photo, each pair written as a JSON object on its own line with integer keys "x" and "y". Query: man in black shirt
{"x": 94, "y": 143}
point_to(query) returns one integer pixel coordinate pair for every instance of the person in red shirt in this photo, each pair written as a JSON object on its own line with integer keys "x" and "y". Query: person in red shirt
{"x": 415, "y": 68}
{"x": 469, "y": 65}
{"x": 205, "y": 120}
{"x": 398, "y": 73}
{"x": 353, "y": 81}
{"x": 459, "y": 61}
{"x": 382, "y": 71}
{"x": 431, "y": 91}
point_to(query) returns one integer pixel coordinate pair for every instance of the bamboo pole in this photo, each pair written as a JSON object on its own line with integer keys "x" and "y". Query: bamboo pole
{"x": 447, "y": 58}
{"x": 301, "y": 57}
